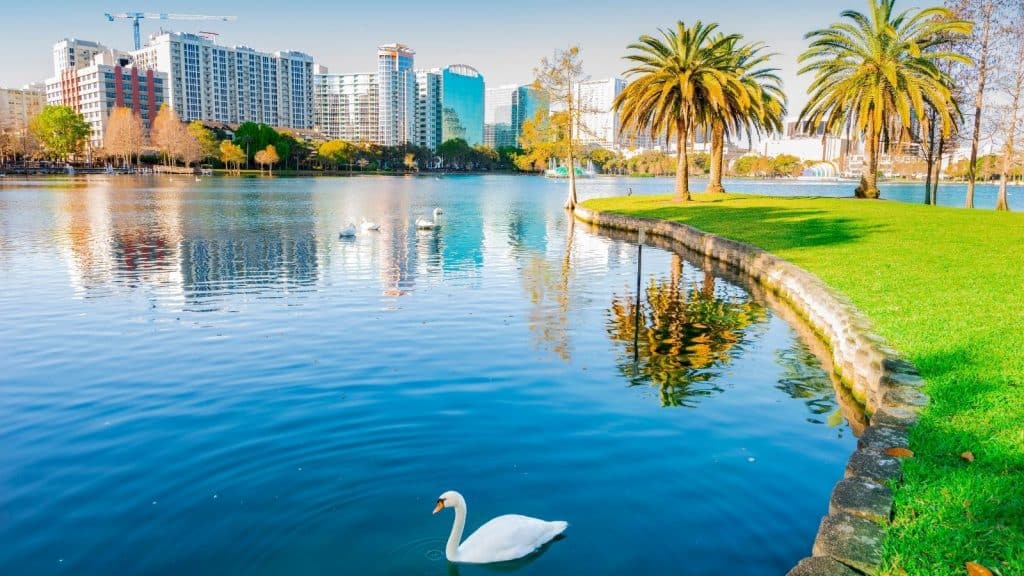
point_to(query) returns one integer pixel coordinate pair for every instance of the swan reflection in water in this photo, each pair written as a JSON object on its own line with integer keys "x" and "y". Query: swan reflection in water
{"x": 510, "y": 567}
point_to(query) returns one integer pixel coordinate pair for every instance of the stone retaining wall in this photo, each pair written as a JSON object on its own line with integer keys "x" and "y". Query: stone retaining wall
{"x": 849, "y": 540}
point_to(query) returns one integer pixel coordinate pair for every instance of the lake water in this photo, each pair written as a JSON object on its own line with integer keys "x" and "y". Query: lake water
{"x": 201, "y": 378}
{"x": 950, "y": 194}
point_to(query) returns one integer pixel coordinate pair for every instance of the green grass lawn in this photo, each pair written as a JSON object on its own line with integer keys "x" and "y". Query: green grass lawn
{"x": 946, "y": 288}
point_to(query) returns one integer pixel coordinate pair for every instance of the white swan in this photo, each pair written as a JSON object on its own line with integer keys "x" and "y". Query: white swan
{"x": 348, "y": 231}
{"x": 424, "y": 224}
{"x": 370, "y": 226}
{"x": 504, "y": 538}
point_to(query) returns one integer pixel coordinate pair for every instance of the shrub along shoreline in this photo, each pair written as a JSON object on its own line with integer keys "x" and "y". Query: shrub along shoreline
{"x": 945, "y": 287}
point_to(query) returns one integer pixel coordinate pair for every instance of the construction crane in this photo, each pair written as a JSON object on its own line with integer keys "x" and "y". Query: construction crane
{"x": 136, "y": 16}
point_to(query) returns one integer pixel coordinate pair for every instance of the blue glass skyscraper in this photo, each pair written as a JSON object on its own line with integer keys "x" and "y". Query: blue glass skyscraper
{"x": 462, "y": 104}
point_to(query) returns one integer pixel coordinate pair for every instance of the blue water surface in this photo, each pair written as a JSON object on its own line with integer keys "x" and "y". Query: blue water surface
{"x": 201, "y": 378}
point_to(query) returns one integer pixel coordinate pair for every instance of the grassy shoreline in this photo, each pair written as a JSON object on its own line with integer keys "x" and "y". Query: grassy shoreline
{"x": 945, "y": 286}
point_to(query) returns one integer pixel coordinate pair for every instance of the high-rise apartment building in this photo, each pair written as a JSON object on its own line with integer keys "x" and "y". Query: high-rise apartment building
{"x": 72, "y": 54}
{"x": 601, "y": 123}
{"x": 346, "y": 106}
{"x": 396, "y": 86}
{"x": 462, "y": 104}
{"x": 428, "y": 109}
{"x": 506, "y": 108}
{"x": 207, "y": 81}
{"x": 399, "y": 104}
{"x": 110, "y": 81}
{"x": 19, "y": 105}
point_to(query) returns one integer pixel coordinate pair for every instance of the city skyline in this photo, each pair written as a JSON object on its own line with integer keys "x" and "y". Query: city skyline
{"x": 506, "y": 54}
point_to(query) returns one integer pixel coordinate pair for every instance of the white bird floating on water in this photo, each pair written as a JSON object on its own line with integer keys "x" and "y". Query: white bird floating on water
{"x": 424, "y": 224}
{"x": 370, "y": 226}
{"x": 348, "y": 231}
{"x": 502, "y": 539}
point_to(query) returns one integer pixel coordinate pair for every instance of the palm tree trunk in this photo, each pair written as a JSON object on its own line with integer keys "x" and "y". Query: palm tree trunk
{"x": 869, "y": 180}
{"x": 938, "y": 171}
{"x": 717, "y": 153}
{"x": 682, "y": 166}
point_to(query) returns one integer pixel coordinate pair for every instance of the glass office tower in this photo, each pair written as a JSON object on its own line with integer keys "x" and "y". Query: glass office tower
{"x": 507, "y": 108}
{"x": 462, "y": 104}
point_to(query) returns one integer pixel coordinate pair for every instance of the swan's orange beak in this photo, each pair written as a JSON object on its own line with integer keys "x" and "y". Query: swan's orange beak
{"x": 439, "y": 507}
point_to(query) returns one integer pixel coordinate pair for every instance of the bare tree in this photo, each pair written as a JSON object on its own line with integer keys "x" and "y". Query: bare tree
{"x": 189, "y": 149}
{"x": 1011, "y": 81}
{"x": 986, "y": 15}
{"x": 560, "y": 77}
{"x": 8, "y": 142}
{"x": 164, "y": 131}
{"x": 124, "y": 136}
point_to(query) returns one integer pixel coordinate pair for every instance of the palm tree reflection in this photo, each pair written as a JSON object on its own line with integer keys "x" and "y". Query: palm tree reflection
{"x": 684, "y": 336}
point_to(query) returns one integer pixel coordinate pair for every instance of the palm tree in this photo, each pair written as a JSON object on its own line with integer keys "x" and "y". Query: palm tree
{"x": 765, "y": 112}
{"x": 877, "y": 72}
{"x": 679, "y": 80}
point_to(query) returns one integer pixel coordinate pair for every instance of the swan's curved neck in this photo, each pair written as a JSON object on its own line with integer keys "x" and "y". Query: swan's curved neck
{"x": 451, "y": 551}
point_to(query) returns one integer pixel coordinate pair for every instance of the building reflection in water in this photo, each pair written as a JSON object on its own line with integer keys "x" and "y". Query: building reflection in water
{"x": 188, "y": 243}
{"x": 689, "y": 330}
{"x": 182, "y": 243}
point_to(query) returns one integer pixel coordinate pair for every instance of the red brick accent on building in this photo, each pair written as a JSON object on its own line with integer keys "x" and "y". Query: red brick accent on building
{"x": 69, "y": 89}
{"x": 118, "y": 87}
{"x": 151, "y": 94}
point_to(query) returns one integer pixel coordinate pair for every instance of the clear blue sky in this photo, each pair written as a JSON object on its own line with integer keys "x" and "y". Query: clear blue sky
{"x": 504, "y": 40}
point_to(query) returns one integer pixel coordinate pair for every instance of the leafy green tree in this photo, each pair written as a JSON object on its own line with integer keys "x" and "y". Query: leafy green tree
{"x": 702, "y": 161}
{"x": 253, "y": 137}
{"x": 787, "y": 165}
{"x": 877, "y": 72}
{"x": 540, "y": 143}
{"x": 209, "y": 147}
{"x": 601, "y": 157}
{"x": 231, "y": 154}
{"x": 455, "y": 153}
{"x": 338, "y": 153}
{"x": 679, "y": 80}
{"x": 507, "y": 156}
{"x": 61, "y": 131}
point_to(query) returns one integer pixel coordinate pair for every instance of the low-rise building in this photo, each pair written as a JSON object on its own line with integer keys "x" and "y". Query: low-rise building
{"x": 19, "y": 105}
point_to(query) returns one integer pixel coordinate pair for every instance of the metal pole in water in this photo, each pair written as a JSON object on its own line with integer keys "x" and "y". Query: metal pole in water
{"x": 642, "y": 237}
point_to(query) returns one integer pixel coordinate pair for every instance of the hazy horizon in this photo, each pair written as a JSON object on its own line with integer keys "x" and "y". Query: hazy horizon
{"x": 504, "y": 46}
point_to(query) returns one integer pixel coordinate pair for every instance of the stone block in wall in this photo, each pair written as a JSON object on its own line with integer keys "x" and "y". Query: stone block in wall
{"x": 862, "y": 498}
{"x": 896, "y": 417}
{"x": 883, "y": 438}
{"x": 875, "y": 465}
{"x": 904, "y": 397}
{"x": 851, "y": 540}
{"x": 821, "y": 566}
